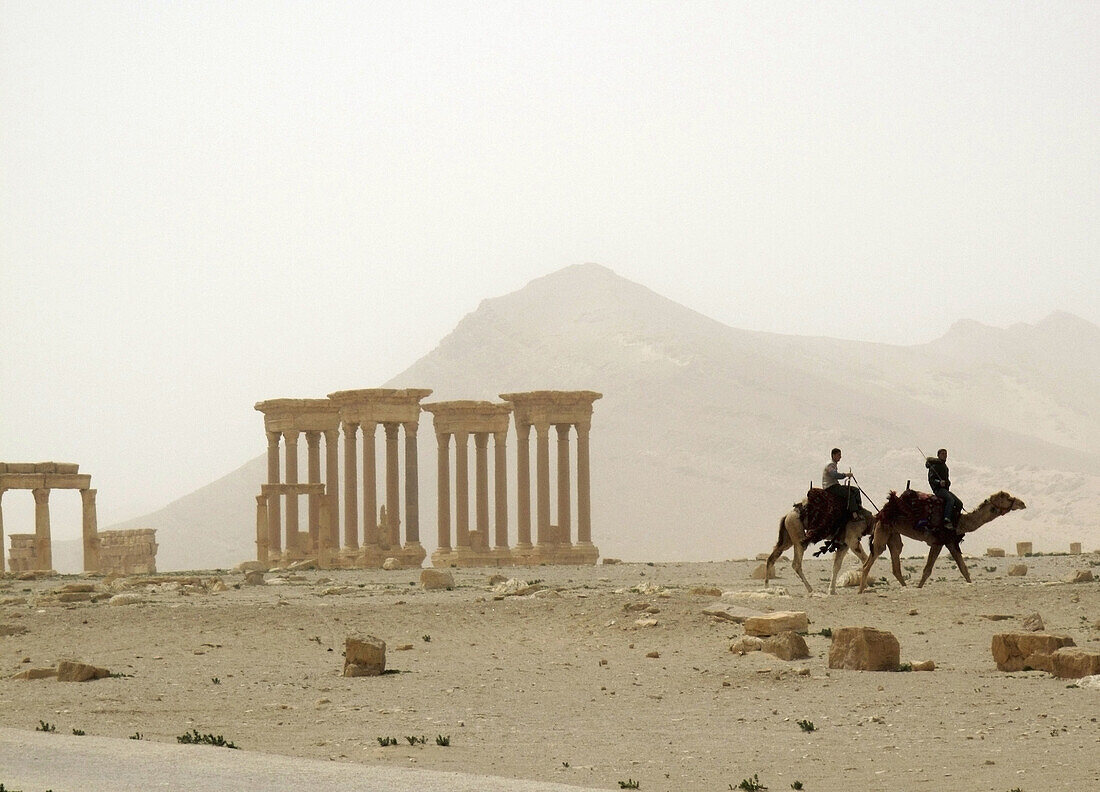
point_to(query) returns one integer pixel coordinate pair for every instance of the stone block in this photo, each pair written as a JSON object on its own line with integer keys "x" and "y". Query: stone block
{"x": 36, "y": 673}
{"x": 75, "y": 671}
{"x": 924, "y": 665}
{"x": 391, "y": 564}
{"x": 787, "y": 646}
{"x": 1074, "y": 663}
{"x": 775, "y": 623}
{"x": 364, "y": 655}
{"x": 733, "y": 613}
{"x": 1017, "y": 570}
{"x": 995, "y": 552}
{"x": 254, "y": 578}
{"x": 435, "y": 579}
{"x": 1023, "y": 549}
{"x": 864, "y": 649}
{"x": 746, "y": 644}
{"x": 758, "y": 573}
{"x": 1081, "y": 576}
{"x": 1034, "y": 623}
{"x": 1075, "y": 548}
{"x": 1017, "y": 651}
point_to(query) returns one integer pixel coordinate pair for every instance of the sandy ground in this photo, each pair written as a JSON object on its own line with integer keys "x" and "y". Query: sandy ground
{"x": 558, "y": 686}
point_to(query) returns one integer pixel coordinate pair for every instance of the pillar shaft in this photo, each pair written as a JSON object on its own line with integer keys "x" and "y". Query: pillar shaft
{"x": 462, "y": 491}
{"x": 542, "y": 482}
{"x": 523, "y": 485}
{"x": 3, "y": 559}
{"x": 351, "y": 488}
{"x": 393, "y": 486}
{"x": 500, "y": 494}
{"x": 261, "y": 528}
{"x": 412, "y": 486}
{"x": 290, "y": 437}
{"x": 90, "y": 530}
{"x": 370, "y": 486}
{"x": 481, "y": 484}
{"x": 564, "y": 506}
{"x": 443, "y": 475}
{"x": 584, "y": 490}
{"x": 332, "y": 488}
{"x": 274, "y": 509}
{"x": 313, "y": 476}
{"x": 43, "y": 551}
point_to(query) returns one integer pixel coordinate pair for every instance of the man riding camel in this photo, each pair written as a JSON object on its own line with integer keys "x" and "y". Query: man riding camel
{"x": 939, "y": 479}
{"x": 847, "y": 495}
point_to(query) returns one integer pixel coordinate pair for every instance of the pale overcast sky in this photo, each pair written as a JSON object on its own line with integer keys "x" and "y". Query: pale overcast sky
{"x": 207, "y": 204}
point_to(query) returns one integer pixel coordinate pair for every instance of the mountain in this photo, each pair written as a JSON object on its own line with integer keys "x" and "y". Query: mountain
{"x": 706, "y": 433}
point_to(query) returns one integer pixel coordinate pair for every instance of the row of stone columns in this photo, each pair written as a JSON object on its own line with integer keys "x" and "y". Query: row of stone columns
{"x": 41, "y": 478}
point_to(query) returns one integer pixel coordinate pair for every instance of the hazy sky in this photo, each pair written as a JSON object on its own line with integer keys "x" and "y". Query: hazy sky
{"x": 203, "y": 205}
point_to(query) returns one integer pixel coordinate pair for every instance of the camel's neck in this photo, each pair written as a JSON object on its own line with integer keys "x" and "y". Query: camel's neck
{"x": 972, "y": 521}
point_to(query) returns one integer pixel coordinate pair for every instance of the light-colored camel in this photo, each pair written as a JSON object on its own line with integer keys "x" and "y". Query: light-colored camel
{"x": 888, "y": 535}
{"x": 792, "y": 533}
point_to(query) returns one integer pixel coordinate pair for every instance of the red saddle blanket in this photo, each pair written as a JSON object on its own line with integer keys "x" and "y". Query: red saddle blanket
{"x": 923, "y": 509}
{"x": 821, "y": 514}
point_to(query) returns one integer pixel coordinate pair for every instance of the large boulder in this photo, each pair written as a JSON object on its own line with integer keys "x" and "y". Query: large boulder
{"x": 1072, "y": 662}
{"x": 864, "y": 649}
{"x": 435, "y": 579}
{"x": 775, "y": 623}
{"x": 364, "y": 655}
{"x": 1020, "y": 650}
{"x": 787, "y": 646}
{"x": 75, "y": 671}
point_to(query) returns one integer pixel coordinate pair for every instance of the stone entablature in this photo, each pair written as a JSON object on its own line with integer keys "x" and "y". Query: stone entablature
{"x": 132, "y": 552}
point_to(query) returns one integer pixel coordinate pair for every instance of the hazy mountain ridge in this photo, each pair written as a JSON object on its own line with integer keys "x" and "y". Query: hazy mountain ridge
{"x": 707, "y": 433}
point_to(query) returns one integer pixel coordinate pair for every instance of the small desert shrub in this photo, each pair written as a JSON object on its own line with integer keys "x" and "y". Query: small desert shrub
{"x": 629, "y": 783}
{"x": 43, "y": 726}
{"x": 194, "y": 738}
{"x": 385, "y": 742}
{"x": 417, "y": 740}
{"x": 78, "y": 732}
{"x": 443, "y": 740}
{"x": 137, "y": 736}
{"x": 796, "y": 785}
{"x": 806, "y": 725}
{"x": 751, "y": 784}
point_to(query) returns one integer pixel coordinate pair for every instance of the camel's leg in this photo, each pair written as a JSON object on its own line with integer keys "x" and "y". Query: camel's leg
{"x": 933, "y": 554}
{"x": 895, "y": 545}
{"x": 838, "y": 557}
{"x": 796, "y": 564}
{"x": 878, "y": 544}
{"x": 780, "y": 548}
{"x": 956, "y": 553}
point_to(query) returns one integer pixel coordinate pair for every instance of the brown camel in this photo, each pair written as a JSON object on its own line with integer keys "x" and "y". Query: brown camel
{"x": 792, "y": 533}
{"x": 889, "y": 535}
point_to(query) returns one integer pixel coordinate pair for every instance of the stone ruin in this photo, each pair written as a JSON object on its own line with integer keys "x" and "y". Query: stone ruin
{"x": 377, "y": 532}
{"x": 124, "y": 552}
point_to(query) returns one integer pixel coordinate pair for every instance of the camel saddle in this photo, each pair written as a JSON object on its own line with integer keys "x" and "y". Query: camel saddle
{"x": 822, "y": 514}
{"x": 923, "y": 509}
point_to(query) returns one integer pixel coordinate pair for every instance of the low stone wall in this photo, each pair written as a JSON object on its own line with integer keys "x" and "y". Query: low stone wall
{"x": 128, "y": 552}
{"x": 22, "y": 556}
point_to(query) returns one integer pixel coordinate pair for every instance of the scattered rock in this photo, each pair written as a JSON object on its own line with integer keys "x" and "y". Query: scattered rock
{"x": 611, "y": 561}
{"x": 787, "y": 646}
{"x": 337, "y": 590}
{"x": 645, "y": 623}
{"x": 1017, "y": 651}
{"x": 1033, "y": 623}
{"x": 1074, "y": 663}
{"x": 746, "y": 644}
{"x": 851, "y": 578}
{"x": 403, "y": 648}
{"x": 254, "y": 577}
{"x": 75, "y": 596}
{"x": 653, "y": 654}
{"x": 1017, "y": 570}
{"x": 496, "y": 579}
{"x": 758, "y": 573}
{"x": 924, "y": 665}
{"x": 1081, "y": 576}
{"x": 775, "y": 623}
{"x": 733, "y": 613}
{"x": 78, "y": 588}
{"x": 12, "y": 629}
{"x": 1089, "y": 681}
{"x": 250, "y": 566}
{"x": 218, "y": 585}
{"x": 864, "y": 649}
{"x": 75, "y": 671}
{"x": 997, "y": 616}
{"x": 706, "y": 591}
{"x": 300, "y": 566}
{"x": 1023, "y": 549}
{"x": 364, "y": 655}
{"x": 995, "y": 552}
{"x": 435, "y": 579}
{"x": 127, "y": 598}
{"x": 36, "y": 673}
{"x": 391, "y": 564}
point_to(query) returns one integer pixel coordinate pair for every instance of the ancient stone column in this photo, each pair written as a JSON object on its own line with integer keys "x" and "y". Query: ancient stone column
{"x": 393, "y": 486}
{"x": 542, "y": 482}
{"x": 89, "y": 530}
{"x": 564, "y": 509}
{"x": 584, "y": 491}
{"x": 332, "y": 488}
{"x": 462, "y": 492}
{"x": 290, "y": 437}
{"x": 274, "y": 509}
{"x": 412, "y": 485}
{"x": 351, "y": 488}
{"x": 43, "y": 551}
{"x": 313, "y": 476}
{"x": 500, "y": 495}
{"x": 370, "y": 486}
{"x": 261, "y": 529}
{"x": 523, "y": 485}
{"x": 3, "y": 560}
{"x": 443, "y": 475}
{"x": 481, "y": 484}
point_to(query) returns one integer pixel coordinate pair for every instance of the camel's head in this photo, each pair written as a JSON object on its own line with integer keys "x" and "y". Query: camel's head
{"x": 1004, "y": 503}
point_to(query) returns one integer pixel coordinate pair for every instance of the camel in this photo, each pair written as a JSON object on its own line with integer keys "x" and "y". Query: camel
{"x": 792, "y": 533}
{"x": 888, "y": 535}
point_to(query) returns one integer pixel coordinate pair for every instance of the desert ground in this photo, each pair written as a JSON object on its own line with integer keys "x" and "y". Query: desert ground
{"x": 559, "y": 684}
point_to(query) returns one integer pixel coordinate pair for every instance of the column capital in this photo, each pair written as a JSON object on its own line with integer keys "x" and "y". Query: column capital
{"x": 444, "y": 439}
{"x": 349, "y": 427}
{"x": 290, "y": 437}
{"x": 313, "y": 436}
{"x": 563, "y": 430}
{"x": 500, "y": 438}
{"x": 273, "y": 437}
{"x": 391, "y": 429}
{"x": 542, "y": 428}
{"x": 411, "y": 427}
{"x": 331, "y": 435}
{"x": 41, "y": 495}
{"x": 481, "y": 439}
{"x": 523, "y": 430}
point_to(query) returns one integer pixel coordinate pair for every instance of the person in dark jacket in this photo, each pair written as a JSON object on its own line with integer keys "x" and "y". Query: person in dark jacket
{"x": 846, "y": 495}
{"x": 939, "y": 479}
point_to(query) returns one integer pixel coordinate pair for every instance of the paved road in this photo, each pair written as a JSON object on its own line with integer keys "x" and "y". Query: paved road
{"x": 35, "y": 762}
